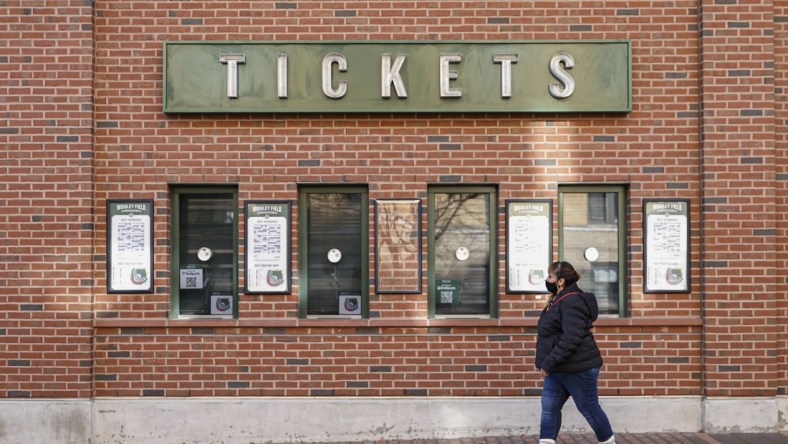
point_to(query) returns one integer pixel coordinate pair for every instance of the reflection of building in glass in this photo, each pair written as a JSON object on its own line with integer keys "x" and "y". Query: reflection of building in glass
{"x": 591, "y": 220}
{"x": 462, "y": 249}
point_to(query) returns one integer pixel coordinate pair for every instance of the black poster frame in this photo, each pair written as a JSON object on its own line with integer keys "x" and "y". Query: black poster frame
{"x": 538, "y": 287}
{"x": 130, "y": 208}
{"x": 267, "y": 211}
{"x": 681, "y": 266}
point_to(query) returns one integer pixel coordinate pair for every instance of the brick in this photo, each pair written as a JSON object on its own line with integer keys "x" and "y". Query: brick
{"x": 709, "y": 132}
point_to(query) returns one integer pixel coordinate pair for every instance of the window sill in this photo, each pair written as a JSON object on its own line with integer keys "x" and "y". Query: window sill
{"x": 381, "y": 322}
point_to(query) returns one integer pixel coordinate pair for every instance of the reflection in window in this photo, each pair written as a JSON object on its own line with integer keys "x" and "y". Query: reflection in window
{"x": 591, "y": 237}
{"x": 602, "y": 208}
{"x": 462, "y": 227}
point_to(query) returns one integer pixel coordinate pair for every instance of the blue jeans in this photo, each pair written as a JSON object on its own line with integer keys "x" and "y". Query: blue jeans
{"x": 582, "y": 387}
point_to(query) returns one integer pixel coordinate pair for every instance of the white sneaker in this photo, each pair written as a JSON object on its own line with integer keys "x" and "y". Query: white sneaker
{"x": 546, "y": 441}
{"x": 612, "y": 440}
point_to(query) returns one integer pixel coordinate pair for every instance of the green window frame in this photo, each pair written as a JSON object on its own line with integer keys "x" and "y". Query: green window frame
{"x": 204, "y": 217}
{"x": 590, "y": 219}
{"x": 466, "y": 260}
{"x": 324, "y": 276}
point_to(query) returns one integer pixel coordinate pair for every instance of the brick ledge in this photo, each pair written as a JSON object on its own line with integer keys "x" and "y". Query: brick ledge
{"x": 389, "y": 322}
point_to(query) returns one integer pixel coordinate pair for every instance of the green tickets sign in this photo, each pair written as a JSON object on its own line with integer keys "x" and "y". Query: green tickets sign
{"x": 397, "y": 76}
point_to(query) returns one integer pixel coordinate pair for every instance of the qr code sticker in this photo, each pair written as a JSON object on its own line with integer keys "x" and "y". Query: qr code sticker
{"x": 191, "y": 279}
{"x": 446, "y": 297}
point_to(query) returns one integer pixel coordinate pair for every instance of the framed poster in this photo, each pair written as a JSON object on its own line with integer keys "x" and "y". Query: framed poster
{"x": 666, "y": 246}
{"x": 529, "y": 244}
{"x": 397, "y": 246}
{"x": 267, "y": 252}
{"x": 129, "y": 246}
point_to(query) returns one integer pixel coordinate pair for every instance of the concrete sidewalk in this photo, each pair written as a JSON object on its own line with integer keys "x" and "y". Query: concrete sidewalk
{"x": 623, "y": 438}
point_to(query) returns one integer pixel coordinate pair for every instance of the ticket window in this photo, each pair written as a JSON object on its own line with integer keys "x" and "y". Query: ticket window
{"x": 461, "y": 251}
{"x": 334, "y": 256}
{"x": 592, "y": 235}
{"x": 204, "y": 271}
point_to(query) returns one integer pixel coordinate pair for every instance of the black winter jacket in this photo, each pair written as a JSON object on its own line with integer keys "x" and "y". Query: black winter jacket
{"x": 565, "y": 343}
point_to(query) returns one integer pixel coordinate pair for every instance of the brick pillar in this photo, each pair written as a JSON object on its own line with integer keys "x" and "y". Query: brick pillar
{"x": 46, "y": 157}
{"x": 739, "y": 274}
{"x": 781, "y": 133}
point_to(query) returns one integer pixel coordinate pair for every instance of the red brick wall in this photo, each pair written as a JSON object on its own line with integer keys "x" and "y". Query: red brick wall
{"x": 373, "y": 361}
{"x": 139, "y": 150}
{"x": 781, "y": 185}
{"x": 656, "y": 149}
{"x": 46, "y": 63}
{"x": 738, "y": 173}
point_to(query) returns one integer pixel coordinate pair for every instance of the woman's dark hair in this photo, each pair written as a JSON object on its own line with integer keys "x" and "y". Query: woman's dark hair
{"x": 564, "y": 270}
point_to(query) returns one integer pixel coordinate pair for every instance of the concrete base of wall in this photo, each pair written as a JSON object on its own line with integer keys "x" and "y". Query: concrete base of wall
{"x": 44, "y": 421}
{"x": 735, "y": 415}
{"x": 263, "y": 420}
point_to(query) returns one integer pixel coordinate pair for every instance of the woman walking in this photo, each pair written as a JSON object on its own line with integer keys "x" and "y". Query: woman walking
{"x": 567, "y": 355}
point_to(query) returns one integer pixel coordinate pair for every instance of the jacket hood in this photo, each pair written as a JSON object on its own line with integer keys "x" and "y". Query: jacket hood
{"x": 589, "y": 298}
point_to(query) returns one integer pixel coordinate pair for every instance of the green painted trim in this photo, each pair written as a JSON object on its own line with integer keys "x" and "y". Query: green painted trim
{"x": 622, "y": 198}
{"x": 195, "y": 81}
{"x": 431, "y": 253}
{"x": 303, "y": 266}
{"x": 493, "y": 214}
{"x": 175, "y": 261}
{"x": 493, "y": 239}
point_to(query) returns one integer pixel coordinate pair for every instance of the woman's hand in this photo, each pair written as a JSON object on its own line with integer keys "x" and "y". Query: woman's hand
{"x": 543, "y": 373}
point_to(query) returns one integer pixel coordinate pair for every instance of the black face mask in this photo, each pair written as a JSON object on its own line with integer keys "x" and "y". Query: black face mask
{"x": 551, "y": 287}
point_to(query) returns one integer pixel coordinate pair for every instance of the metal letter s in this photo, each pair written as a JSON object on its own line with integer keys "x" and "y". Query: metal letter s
{"x": 559, "y": 73}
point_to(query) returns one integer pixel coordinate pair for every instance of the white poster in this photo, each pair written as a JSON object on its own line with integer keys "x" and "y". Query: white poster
{"x": 130, "y": 254}
{"x": 666, "y": 247}
{"x": 267, "y": 252}
{"x": 529, "y": 245}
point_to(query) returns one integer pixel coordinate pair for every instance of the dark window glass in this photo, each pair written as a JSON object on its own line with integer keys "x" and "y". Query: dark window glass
{"x": 596, "y": 207}
{"x": 206, "y": 253}
{"x": 334, "y": 222}
{"x": 602, "y": 208}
